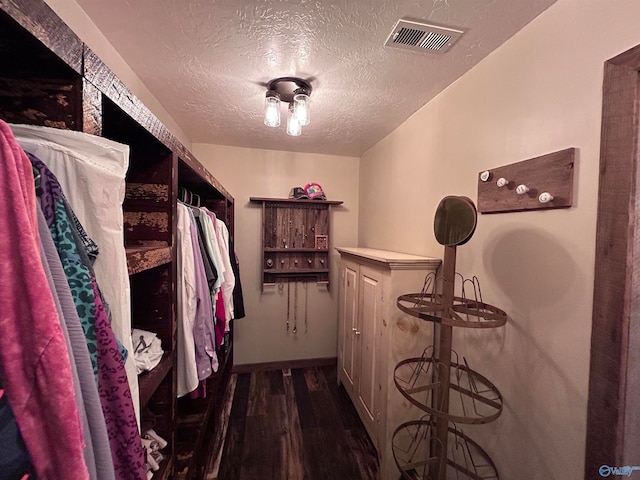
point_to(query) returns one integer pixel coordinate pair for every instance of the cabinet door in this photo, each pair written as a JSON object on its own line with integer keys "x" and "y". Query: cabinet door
{"x": 370, "y": 312}
{"x": 349, "y": 316}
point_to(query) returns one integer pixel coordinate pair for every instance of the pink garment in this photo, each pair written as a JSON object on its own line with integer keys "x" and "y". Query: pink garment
{"x": 34, "y": 361}
{"x": 220, "y": 320}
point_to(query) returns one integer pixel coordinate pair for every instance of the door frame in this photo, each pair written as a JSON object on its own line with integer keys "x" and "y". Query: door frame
{"x": 613, "y": 415}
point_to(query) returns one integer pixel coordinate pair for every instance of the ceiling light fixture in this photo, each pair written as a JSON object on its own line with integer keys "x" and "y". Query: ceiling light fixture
{"x": 294, "y": 91}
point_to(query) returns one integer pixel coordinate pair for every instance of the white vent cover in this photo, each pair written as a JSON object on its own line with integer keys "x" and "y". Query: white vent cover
{"x": 421, "y": 37}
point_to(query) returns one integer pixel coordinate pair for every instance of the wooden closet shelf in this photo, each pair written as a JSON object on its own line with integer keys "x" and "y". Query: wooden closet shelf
{"x": 148, "y": 381}
{"x": 297, "y": 271}
{"x": 304, "y": 250}
{"x": 51, "y": 77}
{"x": 164, "y": 470}
{"x": 196, "y": 410}
{"x": 140, "y": 259}
{"x": 302, "y": 224}
{"x": 195, "y": 418}
{"x": 294, "y": 200}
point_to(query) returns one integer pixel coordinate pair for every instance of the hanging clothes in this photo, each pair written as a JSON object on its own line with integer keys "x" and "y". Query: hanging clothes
{"x": 209, "y": 239}
{"x": 91, "y": 171}
{"x": 187, "y": 371}
{"x": 209, "y": 266}
{"x": 203, "y": 330}
{"x": 229, "y": 282}
{"x": 115, "y": 397}
{"x": 56, "y": 213}
{"x": 238, "y": 299}
{"x": 95, "y": 430}
{"x": 34, "y": 361}
{"x": 126, "y": 445}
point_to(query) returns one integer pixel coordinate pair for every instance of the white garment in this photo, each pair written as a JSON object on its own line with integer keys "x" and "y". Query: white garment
{"x": 91, "y": 171}
{"x": 229, "y": 277}
{"x": 147, "y": 350}
{"x": 187, "y": 371}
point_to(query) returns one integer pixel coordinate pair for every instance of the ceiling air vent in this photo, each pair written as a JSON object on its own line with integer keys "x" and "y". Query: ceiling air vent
{"x": 421, "y": 37}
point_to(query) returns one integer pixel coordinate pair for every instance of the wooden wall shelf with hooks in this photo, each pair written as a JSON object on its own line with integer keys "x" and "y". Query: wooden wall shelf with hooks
{"x": 295, "y": 239}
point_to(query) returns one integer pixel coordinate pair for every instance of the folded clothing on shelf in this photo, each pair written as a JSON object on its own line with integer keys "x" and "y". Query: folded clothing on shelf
{"x": 153, "y": 443}
{"x": 147, "y": 350}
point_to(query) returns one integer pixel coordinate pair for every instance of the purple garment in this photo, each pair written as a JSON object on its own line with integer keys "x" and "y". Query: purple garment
{"x": 203, "y": 332}
{"x": 124, "y": 438}
{"x": 49, "y": 191}
{"x": 63, "y": 229}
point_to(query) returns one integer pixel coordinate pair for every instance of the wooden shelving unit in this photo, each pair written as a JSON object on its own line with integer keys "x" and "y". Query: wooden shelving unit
{"x": 49, "y": 77}
{"x": 295, "y": 239}
{"x": 144, "y": 258}
{"x": 149, "y": 381}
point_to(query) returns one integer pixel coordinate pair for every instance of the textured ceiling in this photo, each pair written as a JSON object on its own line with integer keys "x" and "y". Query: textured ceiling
{"x": 207, "y": 61}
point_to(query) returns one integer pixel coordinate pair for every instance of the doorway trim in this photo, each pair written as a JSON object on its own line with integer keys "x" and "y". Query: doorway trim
{"x": 612, "y": 417}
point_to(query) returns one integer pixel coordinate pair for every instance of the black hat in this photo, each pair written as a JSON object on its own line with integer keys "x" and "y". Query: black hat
{"x": 298, "y": 193}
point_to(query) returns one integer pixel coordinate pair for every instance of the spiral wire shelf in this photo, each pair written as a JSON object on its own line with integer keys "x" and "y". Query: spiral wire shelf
{"x": 468, "y": 309}
{"x": 474, "y": 399}
{"x": 413, "y": 445}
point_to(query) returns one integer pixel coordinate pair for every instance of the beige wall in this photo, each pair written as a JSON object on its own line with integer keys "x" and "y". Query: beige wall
{"x": 262, "y": 336}
{"x": 538, "y": 93}
{"x": 71, "y": 13}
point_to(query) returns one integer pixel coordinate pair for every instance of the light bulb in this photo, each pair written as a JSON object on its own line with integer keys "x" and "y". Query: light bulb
{"x": 272, "y": 109}
{"x": 293, "y": 126}
{"x": 301, "y": 108}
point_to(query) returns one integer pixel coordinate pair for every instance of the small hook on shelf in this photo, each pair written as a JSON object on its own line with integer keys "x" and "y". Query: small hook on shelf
{"x": 522, "y": 189}
{"x": 502, "y": 182}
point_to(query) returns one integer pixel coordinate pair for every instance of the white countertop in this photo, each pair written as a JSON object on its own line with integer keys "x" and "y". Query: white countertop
{"x": 390, "y": 258}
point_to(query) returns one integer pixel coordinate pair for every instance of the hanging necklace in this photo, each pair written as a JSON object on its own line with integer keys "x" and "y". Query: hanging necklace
{"x": 295, "y": 307}
{"x": 306, "y": 324}
{"x": 288, "y": 296}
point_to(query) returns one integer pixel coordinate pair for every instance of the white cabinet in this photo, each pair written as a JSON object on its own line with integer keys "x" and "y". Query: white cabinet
{"x": 348, "y": 324}
{"x": 361, "y": 310}
{"x": 374, "y": 335}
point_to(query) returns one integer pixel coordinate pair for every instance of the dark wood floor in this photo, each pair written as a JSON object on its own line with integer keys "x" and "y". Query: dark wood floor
{"x": 293, "y": 425}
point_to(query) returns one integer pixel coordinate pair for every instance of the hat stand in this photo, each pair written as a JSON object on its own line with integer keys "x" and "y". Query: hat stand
{"x": 449, "y": 393}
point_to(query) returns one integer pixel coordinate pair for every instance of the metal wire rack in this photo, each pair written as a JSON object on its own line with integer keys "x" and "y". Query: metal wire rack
{"x": 467, "y": 309}
{"x": 414, "y": 445}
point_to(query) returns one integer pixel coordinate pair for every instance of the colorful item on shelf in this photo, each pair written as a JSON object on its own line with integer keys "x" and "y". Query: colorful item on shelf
{"x": 314, "y": 191}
